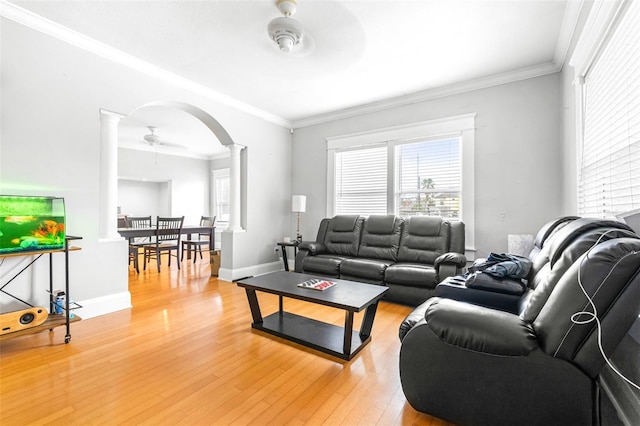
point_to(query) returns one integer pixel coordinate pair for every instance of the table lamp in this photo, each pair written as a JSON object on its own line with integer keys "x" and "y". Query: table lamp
{"x": 298, "y": 205}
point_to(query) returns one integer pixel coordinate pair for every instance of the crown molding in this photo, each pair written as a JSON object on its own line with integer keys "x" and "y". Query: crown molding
{"x": 431, "y": 94}
{"x": 567, "y": 30}
{"x": 38, "y": 23}
{"x": 74, "y": 38}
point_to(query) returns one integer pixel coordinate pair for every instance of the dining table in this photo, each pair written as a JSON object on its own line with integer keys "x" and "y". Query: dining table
{"x": 187, "y": 230}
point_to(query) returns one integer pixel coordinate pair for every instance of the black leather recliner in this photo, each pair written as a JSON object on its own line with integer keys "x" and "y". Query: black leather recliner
{"x": 474, "y": 365}
{"x": 508, "y": 294}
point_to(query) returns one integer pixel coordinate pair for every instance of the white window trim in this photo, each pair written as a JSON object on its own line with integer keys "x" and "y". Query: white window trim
{"x": 462, "y": 125}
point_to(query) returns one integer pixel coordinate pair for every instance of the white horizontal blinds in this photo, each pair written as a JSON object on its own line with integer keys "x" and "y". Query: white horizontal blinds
{"x": 428, "y": 178}
{"x": 222, "y": 194}
{"x": 361, "y": 181}
{"x": 610, "y": 169}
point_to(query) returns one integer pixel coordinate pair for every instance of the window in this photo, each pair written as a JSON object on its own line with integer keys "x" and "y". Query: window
{"x": 419, "y": 169}
{"x": 426, "y": 180}
{"x": 428, "y": 177}
{"x": 221, "y": 191}
{"x": 361, "y": 181}
{"x": 609, "y": 180}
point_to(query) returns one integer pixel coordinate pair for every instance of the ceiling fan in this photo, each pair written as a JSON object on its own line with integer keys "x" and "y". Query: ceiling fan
{"x": 288, "y": 34}
{"x": 154, "y": 140}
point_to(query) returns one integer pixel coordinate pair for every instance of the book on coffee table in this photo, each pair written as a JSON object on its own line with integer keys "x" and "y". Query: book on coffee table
{"x": 317, "y": 284}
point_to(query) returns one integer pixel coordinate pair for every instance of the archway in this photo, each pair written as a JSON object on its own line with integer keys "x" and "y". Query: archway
{"x": 213, "y": 124}
{"x": 109, "y": 159}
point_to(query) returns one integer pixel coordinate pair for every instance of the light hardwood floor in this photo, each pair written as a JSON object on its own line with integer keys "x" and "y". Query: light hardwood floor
{"x": 185, "y": 354}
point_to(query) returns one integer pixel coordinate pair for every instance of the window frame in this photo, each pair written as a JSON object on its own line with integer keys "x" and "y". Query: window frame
{"x": 219, "y": 174}
{"x": 462, "y": 126}
{"x": 602, "y": 22}
{"x": 396, "y": 147}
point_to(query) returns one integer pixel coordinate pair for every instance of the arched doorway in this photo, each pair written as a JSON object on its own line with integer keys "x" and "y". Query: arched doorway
{"x": 109, "y": 158}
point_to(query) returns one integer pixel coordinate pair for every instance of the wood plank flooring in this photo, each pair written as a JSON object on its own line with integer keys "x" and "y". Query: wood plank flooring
{"x": 185, "y": 354}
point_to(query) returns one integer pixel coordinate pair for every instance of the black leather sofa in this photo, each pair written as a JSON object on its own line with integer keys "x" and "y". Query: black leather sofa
{"x": 410, "y": 256}
{"x": 475, "y": 365}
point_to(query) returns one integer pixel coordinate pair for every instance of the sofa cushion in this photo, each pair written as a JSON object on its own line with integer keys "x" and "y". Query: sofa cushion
{"x": 324, "y": 264}
{"x": 412, "y": 274}
{"x": 423, "y": 239}
{"x": 381, "y": 237}
{"x": 370, "y": 270}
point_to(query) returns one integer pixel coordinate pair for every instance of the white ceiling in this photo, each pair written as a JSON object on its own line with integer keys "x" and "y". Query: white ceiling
{"x": 367, "y": 53}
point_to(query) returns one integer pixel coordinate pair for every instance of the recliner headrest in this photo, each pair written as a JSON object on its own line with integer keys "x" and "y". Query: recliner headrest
{"x": 560, "y": 240}
{"x": 344, "y": 223}
{"x": 550, "y": 227}
{"x": 423, "y": 225}
{"x": 380, "y": 224}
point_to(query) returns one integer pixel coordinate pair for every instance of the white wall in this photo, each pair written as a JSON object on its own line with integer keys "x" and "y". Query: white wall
{"x": 137, "y": 198}
{"x": 189, "y": 183}
{"x": 51, "y": 96}
{"x": 518, "y": 164}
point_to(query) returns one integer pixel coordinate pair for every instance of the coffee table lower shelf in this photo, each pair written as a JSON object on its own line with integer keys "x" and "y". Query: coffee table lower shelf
{"x": 324, "y": 337}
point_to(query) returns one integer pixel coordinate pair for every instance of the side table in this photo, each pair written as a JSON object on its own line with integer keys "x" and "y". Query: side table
{"x": 283, "y": 246}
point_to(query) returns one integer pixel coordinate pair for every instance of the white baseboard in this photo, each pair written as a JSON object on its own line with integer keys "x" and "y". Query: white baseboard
{"x": 103, "y": 305}
{"x": 236, "y": 274}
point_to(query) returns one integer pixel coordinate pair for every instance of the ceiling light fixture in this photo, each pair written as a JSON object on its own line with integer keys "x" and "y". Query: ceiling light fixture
{"x": 286, "y": 31}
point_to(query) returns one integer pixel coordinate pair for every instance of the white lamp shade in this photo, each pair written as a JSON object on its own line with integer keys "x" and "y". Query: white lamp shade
{"x": 298, "y": 203}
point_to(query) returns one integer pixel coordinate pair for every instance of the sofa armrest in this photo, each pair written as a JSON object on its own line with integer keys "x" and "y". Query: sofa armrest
{"x": 307, "y": 248}
{"x": 480, "y": 329}
{"x": 457, "y": 259}
{"x": 312, "y": 247}
{"x": 413, "y": 318}
{"x": 449, "y": 265}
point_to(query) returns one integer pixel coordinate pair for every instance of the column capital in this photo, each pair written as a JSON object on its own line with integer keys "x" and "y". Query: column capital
{"x": 105, "y": 113}
{"x": 235, "y": 147}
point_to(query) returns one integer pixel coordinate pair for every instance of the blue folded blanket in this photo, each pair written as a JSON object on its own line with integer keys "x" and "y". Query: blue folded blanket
{"x": 504, "y": 265}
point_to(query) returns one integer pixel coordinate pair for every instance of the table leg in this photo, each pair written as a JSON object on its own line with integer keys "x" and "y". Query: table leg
{"x": 367, "y": 320}
{"x": 212, "y": 245}
{"x": 348, "y": 331}
{"x": 284, "y": 258}
{"x": 254, "y": 306}
{"x": 281, "y": 305}
{"x": 189, "y": 249}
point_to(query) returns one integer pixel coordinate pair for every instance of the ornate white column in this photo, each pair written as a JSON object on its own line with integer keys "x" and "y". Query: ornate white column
{"x": 108, "y": 197}
{"x": 235, "y": 195}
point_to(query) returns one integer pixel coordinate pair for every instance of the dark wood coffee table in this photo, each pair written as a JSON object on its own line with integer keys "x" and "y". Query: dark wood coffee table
{"x": 351, "y": 296}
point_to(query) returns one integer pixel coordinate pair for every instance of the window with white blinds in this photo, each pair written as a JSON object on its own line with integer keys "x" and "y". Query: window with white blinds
{"x": 609, "y": 181}
{"x": 221, "y": 195}
{"x": 361, "y": 181}
{"x": 426, "y": 179}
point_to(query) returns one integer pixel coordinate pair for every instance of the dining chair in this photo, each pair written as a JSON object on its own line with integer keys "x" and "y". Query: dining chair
{"x": 167, "y": 239}
{"x": 203, "y": 239}
{"x": 136, "y": 242}
{"x": 133, "y": 257}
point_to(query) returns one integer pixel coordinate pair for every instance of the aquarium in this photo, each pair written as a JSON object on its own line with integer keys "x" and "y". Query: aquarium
{"x": 30, "y": 223}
